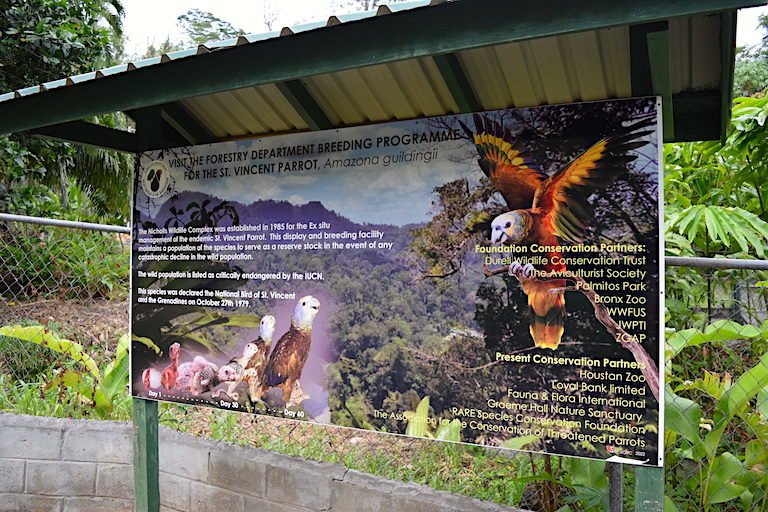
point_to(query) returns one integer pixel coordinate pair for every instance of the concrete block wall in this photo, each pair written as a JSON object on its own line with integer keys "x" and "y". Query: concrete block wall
{"x": 63, "y": 465}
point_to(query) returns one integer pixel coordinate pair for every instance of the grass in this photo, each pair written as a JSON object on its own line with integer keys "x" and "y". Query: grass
{"x": 469, "y": 470}
{"x": 39, "y": 399}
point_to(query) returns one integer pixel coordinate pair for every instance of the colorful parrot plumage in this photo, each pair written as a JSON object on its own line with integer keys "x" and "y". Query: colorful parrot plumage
{"x": 547, "y": 210}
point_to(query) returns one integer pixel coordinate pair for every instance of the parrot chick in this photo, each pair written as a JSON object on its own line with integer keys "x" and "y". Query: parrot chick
{"x": 253, "y": 371}
{"x": 151, "y": 379}
{"x": 188, "y": 370}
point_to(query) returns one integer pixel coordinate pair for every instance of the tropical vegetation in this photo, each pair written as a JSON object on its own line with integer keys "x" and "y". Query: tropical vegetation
{"x": 716, "y": 205}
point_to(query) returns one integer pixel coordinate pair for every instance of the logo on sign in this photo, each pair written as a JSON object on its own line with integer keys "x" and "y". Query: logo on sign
{"x": 156, "y": 179}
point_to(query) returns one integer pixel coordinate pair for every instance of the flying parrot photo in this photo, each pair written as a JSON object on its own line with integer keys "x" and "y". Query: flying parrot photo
{"x": 548, "y": 210}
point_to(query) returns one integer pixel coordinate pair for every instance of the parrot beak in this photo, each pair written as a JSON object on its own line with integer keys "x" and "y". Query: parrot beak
{"x": 498, "y": 236}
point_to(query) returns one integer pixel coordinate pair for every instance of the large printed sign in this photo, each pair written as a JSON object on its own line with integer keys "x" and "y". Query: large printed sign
{"x": 490, "y": 278}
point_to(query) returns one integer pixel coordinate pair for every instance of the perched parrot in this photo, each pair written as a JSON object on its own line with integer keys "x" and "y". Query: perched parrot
{"x": 548, "y": 210}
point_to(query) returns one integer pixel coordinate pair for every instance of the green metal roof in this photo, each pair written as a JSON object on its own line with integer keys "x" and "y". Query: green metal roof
{"x": 405, "y": 61}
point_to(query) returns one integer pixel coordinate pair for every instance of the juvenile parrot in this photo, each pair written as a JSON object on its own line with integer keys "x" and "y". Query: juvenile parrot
{"x": 548, "y": 210}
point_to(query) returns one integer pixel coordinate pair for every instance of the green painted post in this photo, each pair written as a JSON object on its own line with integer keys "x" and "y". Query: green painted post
{"x": 649, "y": 489}
{"x": 146, "y": 462}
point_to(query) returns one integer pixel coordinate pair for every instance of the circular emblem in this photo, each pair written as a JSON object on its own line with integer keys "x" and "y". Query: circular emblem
{"x": 155, "y": 179}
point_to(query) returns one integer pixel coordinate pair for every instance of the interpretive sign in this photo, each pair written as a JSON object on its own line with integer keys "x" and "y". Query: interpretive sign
{"x": 490, "y": 278}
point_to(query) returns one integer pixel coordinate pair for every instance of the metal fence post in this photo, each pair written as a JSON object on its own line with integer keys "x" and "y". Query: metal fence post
{"x": 649, "y": 489}
{"x": 146, "y": 462}
{"x": 615, "y": 486}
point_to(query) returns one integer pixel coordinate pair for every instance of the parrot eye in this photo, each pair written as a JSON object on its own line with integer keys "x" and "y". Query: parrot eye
{"x": 303, "y": 303}
{"x": 507, "y": 224}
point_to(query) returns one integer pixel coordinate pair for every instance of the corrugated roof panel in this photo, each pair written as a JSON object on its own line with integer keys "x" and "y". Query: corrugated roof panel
{"x": 331, "y": 95}
{"x": 485, "y": 76}
{"x": 399, "y": 90}
{"x": 519, "y": 82}
{"x": 229, "y": 114}
{"x": 360, "y": 94}
{"x": 581, "y": 66}
{"x": 679, "y": 54}
{"x": 120, "y": 68}
{"x": 614, "y": 43}
{"x": 384, "y": 84}
{"x": 588, "y": 65}
{"x": 239, "y": 112}
{"x": 247, "y": 111}
{"x": 29, "y": 90}
{"x": 694, "y": 54}
{"x": 551, "y": 68}
{"x": 204, "y": 109}
{"x": 424, "y": 86}
{"x": 262, "y": 109}
{"x": 54, "y": 84}
{"x": 705, "y": 69}
{"x": 275, "y": 99}
{"x": 180, "y": 54}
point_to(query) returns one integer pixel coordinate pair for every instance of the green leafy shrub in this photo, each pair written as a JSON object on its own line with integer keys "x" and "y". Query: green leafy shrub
{"x": 703, "y": 408}
{"x": 80, "y": 389}
{"x": 22, "y": 361}
{"x": 68, "y": 263}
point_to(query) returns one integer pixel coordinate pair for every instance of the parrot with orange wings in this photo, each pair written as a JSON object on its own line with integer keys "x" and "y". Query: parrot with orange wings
{"x": 548, "y": 210}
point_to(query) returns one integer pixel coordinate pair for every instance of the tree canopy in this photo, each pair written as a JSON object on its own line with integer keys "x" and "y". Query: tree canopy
{"x": 43, "y": 40}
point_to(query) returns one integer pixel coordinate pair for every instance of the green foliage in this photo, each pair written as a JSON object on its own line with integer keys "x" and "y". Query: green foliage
{"x": 43, "y": 40}
{"x": 750, "y": 75}
{"x": 79, "y": 389}
{"x": 589, "y": 483}
{"x": 420, "y": 424}
{"x": 165, "y": 47}
{"x": 46, "y": 39}
{"x": 703, "y": 180}
{"x": 202, "y": 27}
{"x": 715, "y": 205}
{"x": 69, "y": 263}
{"x": 701, "y": 410}
{"x": 718, "y": 228}
{"x": 43, "y": 336}
{"x": 23, "y": 361}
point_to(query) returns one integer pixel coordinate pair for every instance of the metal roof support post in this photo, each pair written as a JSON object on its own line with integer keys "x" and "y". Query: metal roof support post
{"x": 146, "y": 459}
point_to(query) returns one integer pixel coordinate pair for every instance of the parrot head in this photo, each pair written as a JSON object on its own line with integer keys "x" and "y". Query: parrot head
{"x": 509, "y": 228}
{"x": 250, "y": 350}
{"x": 267, "y": 328}
{"x": 305, "y": 312}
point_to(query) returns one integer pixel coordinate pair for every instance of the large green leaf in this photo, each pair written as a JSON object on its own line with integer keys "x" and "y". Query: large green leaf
{"x": 720, "y": 330}
{"x": 146, "y": 342}
{"x": 450, "y": 431}
{"x": 720, "y": 484}
{"x": 721, "y": 224}
{"x": 43, "y": 336}
{"x": 115, "y": 379}
{"x": 518, "y": 443}
{"x": 682, "y": 416}
{"x": 589, "y": 479}
{"x": 417, "y": 421}
{"x": 746, "y": 387}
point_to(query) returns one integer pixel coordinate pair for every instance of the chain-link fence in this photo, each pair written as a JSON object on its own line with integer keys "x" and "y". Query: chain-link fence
{"x": 74, "y": 283}
{"x": 717, "y": 398}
